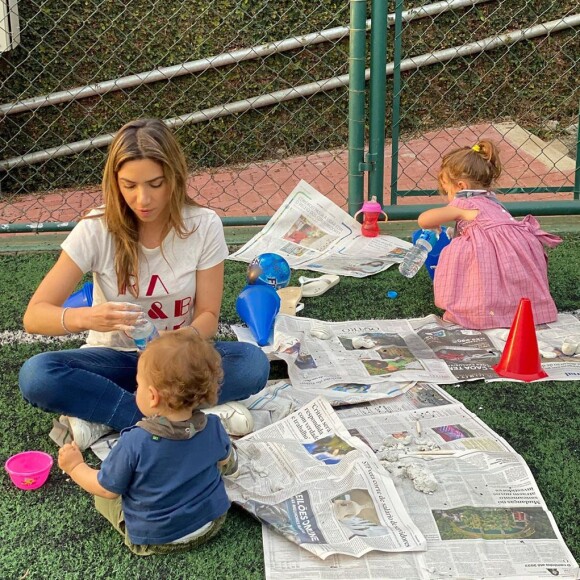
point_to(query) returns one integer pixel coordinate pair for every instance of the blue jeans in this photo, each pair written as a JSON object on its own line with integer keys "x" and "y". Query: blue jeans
{"x": 98, "y": 384}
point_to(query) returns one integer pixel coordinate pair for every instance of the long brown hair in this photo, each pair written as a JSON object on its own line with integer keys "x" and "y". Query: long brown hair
{"x": 479, "y": 165}
{"x": 141, "y": 139}
{"x": 184, "y": 368}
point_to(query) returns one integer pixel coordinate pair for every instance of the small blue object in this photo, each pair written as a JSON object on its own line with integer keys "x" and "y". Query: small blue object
{"x": 392, "y": 294}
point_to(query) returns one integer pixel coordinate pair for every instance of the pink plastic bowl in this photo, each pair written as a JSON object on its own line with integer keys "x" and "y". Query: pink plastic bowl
{"x": 29, "y": 469}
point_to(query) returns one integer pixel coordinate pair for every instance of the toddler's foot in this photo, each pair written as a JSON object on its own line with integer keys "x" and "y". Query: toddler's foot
{"x": 235, "y": 418}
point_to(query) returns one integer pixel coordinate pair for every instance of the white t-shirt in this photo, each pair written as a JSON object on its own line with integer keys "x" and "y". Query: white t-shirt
{"x": 166, "y": 280}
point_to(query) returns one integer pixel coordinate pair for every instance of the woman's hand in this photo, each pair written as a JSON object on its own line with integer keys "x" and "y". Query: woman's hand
{"x": 69, "y": 456}
{"x": 111, "y": 316}
{"x": 44, "y": 314}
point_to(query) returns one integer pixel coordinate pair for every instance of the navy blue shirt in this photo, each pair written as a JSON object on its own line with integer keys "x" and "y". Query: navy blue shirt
{"x": 169, "y": 488}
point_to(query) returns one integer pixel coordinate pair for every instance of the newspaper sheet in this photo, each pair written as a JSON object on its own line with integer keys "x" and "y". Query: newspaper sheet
{"x": 310, "y": 480}
{"x": 371, "y": 357}
{"x": 551, "y": 338}
{"x": 313, "y": 233}
{"x": 470, "y": 354}
{"x": 279, "y": 398}
{"x": 388, "y": 350}
{"x": 486, "y": 519}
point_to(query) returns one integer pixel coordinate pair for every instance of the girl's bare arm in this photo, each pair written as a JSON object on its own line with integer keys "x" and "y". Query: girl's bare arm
{"x": 436, "y": 217}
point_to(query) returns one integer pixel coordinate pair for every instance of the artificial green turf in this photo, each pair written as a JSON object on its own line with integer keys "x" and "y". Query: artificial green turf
{"x": 54, "y": 532}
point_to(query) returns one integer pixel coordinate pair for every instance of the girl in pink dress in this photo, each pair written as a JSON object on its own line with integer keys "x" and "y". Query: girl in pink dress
{"x": 493, "y": 260}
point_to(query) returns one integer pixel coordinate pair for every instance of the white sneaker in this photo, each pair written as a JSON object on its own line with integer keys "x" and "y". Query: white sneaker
{"x": 235, "y": 418}
{"x": 83, "y": 433}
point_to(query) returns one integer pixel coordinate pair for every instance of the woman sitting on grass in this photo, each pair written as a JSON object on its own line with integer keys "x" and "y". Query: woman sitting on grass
{"x": 157, "y": 500}
{"x": 151, "y": 250}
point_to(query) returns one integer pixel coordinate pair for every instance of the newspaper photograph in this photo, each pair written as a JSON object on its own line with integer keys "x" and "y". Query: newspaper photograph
{"x": 313, "y": 233}
{"x": 310, "y": 480}
{"x": 468, "y": 354}
{"x": 471, "y": 495}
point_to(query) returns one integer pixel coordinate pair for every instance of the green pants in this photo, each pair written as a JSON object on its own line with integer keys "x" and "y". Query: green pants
{"x": 112, "y": 510}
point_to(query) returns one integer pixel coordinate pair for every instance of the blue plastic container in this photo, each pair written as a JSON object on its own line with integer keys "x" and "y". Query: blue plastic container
{"x": 80, "y": 298}
{"x": 433, "y": 256}
{"x": 258, "y": 305}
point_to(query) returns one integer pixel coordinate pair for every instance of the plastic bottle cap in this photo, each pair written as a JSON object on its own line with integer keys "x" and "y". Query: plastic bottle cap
{"x": 372, "y": 206}
{"x": 424, "y": 244}
{"x": 392, "y": 294}
{"x": 429, "y": 236}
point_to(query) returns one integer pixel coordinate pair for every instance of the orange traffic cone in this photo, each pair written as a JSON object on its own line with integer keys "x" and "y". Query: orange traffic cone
{"x": 521, "y": 356}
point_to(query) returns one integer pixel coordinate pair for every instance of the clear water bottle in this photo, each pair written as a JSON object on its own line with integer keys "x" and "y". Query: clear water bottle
{"x": 417, "y": 255}
{"x": 143, "y": 333}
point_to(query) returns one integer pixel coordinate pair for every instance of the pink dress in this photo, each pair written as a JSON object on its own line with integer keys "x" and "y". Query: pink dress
{"x": 491, "y": 263}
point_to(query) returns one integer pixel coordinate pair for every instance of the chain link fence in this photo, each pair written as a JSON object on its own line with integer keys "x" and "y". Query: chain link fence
{"x": 257, "y": 93}
{"x": 233, "y": 77}
{"x": 502, "y": 70}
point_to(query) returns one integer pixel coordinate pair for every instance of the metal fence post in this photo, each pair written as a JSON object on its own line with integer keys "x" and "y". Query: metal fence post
{"x": 396, "y": 113}
{"x": 378, "y": 82}
{"x": 577, "y": 171}
{"x": 356, "y": 105}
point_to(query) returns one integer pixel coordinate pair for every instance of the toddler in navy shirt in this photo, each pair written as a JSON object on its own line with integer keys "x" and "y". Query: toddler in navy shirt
{"x": 161, "y": 485}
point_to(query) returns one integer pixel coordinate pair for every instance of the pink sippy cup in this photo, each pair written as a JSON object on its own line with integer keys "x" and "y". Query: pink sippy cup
{"x": 371, "y": 211}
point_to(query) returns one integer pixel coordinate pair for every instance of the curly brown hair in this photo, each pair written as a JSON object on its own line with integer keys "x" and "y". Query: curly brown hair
{"x": 185, "y": 368}
{"x": 479, "y": 165}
